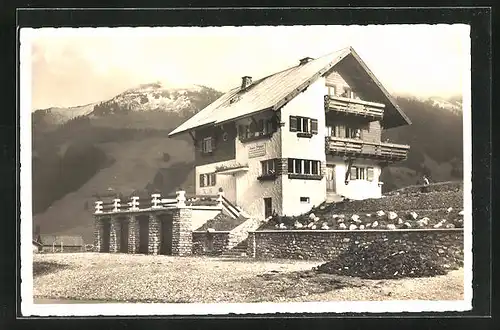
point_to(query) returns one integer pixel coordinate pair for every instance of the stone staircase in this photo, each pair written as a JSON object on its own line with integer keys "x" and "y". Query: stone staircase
{"x": 238, "y": 251}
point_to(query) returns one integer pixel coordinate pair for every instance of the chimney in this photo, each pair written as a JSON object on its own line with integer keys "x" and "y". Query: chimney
{"x": 245, "y": 82}
{"x": 305, "y": 60}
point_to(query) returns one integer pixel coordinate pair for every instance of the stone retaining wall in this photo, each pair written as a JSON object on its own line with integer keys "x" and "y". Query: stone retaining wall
{"x": 201, "y": 246}
{"x": 326, "y": 245}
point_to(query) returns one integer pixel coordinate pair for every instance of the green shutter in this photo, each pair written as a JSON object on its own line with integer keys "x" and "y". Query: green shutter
{"x": 314, "y": 126}
{"x": 293, "y": 124}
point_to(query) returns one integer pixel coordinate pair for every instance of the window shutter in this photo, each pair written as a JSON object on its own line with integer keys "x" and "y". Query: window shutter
{"x": 241, "y": 131}
{"x": 214, "y": 179}
{"x": 212, "y": 144}
{"x": 202, "y": 181}
{"x": 199, "y": 145}
{"x": 354, "y": 172}
{"x": 291, "y": 168}
{"x": 369, "y": 174}
{"x": 293, "y": 124}
{"x": 314, "y": 126}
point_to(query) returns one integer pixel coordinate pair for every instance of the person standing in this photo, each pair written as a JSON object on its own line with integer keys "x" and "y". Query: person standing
{"x": 426, "y": 184}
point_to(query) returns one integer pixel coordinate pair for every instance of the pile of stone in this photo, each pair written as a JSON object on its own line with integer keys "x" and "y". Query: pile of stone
{"x": 390, "y": 220}
{"x": 379, "y": 260}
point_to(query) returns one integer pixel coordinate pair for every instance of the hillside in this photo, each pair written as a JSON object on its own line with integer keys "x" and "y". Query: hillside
{"x": 114, "y": 147}
{"x": 436, "y": 141}
{"x": 121, "y": 145}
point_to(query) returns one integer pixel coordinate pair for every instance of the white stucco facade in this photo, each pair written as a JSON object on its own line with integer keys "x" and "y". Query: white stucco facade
{"x": 356, "y": 189}
{"x": 242, "y": 187}
{"x": 306, "y": 104}
{"x": 290, "y": 196}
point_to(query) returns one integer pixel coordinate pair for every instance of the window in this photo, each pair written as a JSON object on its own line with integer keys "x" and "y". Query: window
{"x": 207, "y": 145}
{"x": 303, "y": 167}
{"x": 361, "y": 173}
{"x": 348, "y": 93}
{"x": 298, "y": 166}
{"x": 269, "y": 170}
{"x": 208, "y": 180}
{"x": 307, "y": 167}
{"x": 304, "y": 199}
{"x": 335, "y": 130}
{"x": 315, "y": 167}
{"x": 352, "y": 132}
{"x": 268, "y": 167}
{"x": 331, "y": 91}
{"x": 303, "y": 125}
{"x": 260, "y": 128}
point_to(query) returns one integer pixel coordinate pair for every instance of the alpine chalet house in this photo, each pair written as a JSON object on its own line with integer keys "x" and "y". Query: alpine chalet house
{"x": 297, "y": 138}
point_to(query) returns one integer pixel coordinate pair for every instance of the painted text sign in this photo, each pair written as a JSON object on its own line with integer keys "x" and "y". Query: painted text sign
{"x": 257, "y": 151}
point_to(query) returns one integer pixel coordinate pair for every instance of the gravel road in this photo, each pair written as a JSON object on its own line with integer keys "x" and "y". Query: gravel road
{"x": 143, "y": 278}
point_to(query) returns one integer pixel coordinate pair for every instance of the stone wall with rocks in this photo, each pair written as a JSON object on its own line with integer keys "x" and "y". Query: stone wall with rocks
{"x": 432, "y": 200}
{"x": 182, "y": 238}
{"x": 326, "y": 245}
{"x": 202, "y": 246}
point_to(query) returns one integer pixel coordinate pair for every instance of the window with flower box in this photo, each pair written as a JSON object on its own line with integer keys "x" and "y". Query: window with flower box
{"x": 269, "y": 170}
{"x": 304, "y": 169}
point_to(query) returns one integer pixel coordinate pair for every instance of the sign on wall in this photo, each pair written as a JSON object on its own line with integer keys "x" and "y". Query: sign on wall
{"x": 257, "y": 151}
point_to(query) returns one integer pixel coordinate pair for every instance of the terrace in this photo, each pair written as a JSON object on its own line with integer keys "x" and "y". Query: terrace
{"x": 359, "y": 148}
{"x": 370, "y": 110}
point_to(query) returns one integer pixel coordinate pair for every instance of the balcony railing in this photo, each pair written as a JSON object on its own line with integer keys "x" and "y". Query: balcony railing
{"x": 360, "y": 148}
{"x": 367, "y": 109}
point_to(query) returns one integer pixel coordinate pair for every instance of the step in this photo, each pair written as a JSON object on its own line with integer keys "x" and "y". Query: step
{"x": 238, "y": 255}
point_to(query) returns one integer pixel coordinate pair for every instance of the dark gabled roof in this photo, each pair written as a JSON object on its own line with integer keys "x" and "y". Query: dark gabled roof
{"x": 274, "y": 91}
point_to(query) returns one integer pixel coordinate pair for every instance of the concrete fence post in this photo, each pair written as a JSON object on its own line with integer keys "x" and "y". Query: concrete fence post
{"x": 116, "y": 204}
{"x": 98, "y": 207}
{"x": 134, "y": 204}
{"x": 156, "y": 201}
{"x": 181, "y": 198}
{"x": 220, "y": 198}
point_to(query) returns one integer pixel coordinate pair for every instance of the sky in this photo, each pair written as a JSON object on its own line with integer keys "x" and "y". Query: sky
{"x": 77, "y": 66}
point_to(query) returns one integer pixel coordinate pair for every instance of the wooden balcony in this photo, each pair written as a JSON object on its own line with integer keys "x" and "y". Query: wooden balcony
{"x": 363, "y": 149}
{"x": 369, "y": 110}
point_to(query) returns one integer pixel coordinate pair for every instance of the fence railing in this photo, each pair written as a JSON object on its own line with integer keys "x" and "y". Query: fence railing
{"x": 157, "y": 202}
{"x": 353, "y": 106}
{"x": 359, "y": 147}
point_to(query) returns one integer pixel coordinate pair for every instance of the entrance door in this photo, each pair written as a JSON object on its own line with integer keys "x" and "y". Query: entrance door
{"x": 166, "y": 234}
{"x": 209, "y": 247}
{"x": 330, "y": 178}
{"x": 123, "y": 235}
{"x": 106, "y": 230}
{"x": 268, "y": 207}
{"x": 143, "y": 234}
